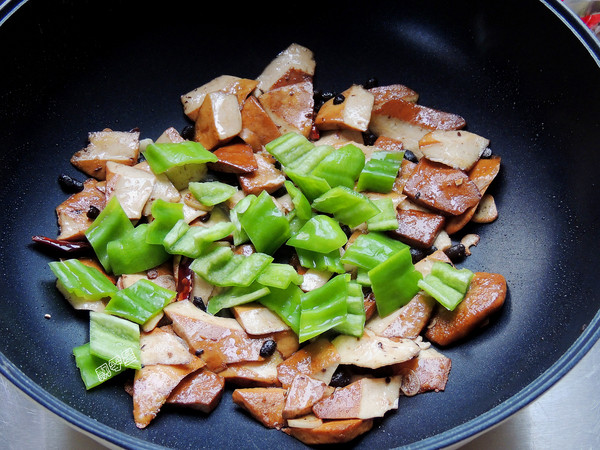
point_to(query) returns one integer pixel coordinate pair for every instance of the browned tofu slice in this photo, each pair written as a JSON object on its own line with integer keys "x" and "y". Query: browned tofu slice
{"x": 295, "y": 64}
{"x": 163, "y": 347}
{"x": 290, "y": 107}
{"x": 482, "y": 174}
{"x": 264, "y": 404}
{"x": 442, "y": 188}
{"x": 240, "y": 87}
{"x": 318, "y": 359}
{"x": 303, "y": 393}
{"x": 384, "y": 94}
{"x": 427, "y": 372}
{"x": 388, "y": 143}
{"x": 132, "y": 186}
{"x": 152, "y": 386}
{"x": 267, "y": 177}
{"x": 234, "y": 158}
{"x": 365, "y": 398}
{"x": 219, "y": 340}
{"x": 107, "y": 145}
{"x": 485, "y": 296}
{"x": 407, "y": 322}
{"x": 201, "y": 390}
{"x": 72, "y": 216}
{"x": 354, "y": 113}
{"x": 254, "y": 373}
{"x": 331, "y": 432}
{"x": 219, "y": 120}
{"x": 258, "y": 129}
{"x": 418, "y": 228}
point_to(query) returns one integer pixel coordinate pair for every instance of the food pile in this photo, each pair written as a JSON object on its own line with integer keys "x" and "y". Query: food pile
{"x": 299, "y": 246}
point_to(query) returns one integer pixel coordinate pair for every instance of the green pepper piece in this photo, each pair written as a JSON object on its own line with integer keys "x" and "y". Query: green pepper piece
{"x": 319, "y": 234}
{"x": 94, "y": 370}
{"x": 236, "y": 295}
{"x": 380, "y": 172}
{"x": 301, "y": 203}
{"x": 115, "y": 339}
{"x": 279, "y": 276}
{"x": 164, "y": 156}
{"x": 459, "y": 279}
{"x": 330, "y": 262}
{"x": 342, "y": 166}
{"x": 310, "y": 185}
{"x": 288, "y": 147}
{"x": 386, "y": 220}
{"x": 355, "y": 319}
{"x": 394, "y": 282}
{"x": 446, "y": 295}
{"x": 211, "y": 193}
{"x": 306, "y": 163}
{"x": 83, "y": 283}
{"x": 370, "y": 249}
{"x": 139, "y": 302}
{"x": 286, "y": 304}
{"x": 221, "y": 267}
{"x": 166, "y": 215}
{"x": 346, "y": 205}
{"x": 112, "y": 223}
{"x": 131, "y": 253}
{"x": 323, "y": 308}
{"x": 239, "y": 235}
{"x": 192, "y": 241}
{"x": 267, "y": 227}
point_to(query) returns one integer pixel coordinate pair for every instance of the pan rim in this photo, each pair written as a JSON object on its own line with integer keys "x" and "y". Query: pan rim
{"x": 453, "y": 436}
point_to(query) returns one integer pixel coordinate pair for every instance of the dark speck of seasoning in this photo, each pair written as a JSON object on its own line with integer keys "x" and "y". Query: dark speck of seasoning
{"x": 339, "y": 99}
{"x": 198, "y": 303}
{"x": 388, "y": 380}
{"x": 459, "y": 133}
{"x": 417, "y": 195}
{"x": 371, "y": 83}
{"x": 198, "y": 352}
{"x": 188, "y": 132}
{"x": 92, "y": 212}
{"x": 369, "y": 138}
{"x": 323, "y": 370}
{"x": 268, "y": 348}
{"x": 410, "y": 156}
{"x": 380, "y": 345}
{"x": 69, "y": 184}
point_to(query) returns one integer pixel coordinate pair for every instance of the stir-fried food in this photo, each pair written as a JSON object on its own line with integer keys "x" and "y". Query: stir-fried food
{"x": 300, "y": 247}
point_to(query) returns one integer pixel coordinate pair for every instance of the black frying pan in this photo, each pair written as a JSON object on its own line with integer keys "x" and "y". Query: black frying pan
{"x": 524, "y": 77}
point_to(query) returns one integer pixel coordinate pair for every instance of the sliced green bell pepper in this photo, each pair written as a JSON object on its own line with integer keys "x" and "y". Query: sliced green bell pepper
{"x": 330, "y": 262}
{"x": 211, "y": 193}
{"x": 346, "y": 205}
{"x": 288, "y": 147}
{"x": 354, "y": 324}
{"x": 380, "y": 172}
{"x": 112, "y": 223}
{"x": 132, "y": 253}
{"x": 386, "y": 220}
{"x": 236, "y": 295}
{"x": 115, "y": 340}
{"x": 279, "y": 275}
{"x": 139, "y": 302}
{"x": 319, "y": 234}
{"x": 83, "y": 282}
{"x": 192, "y": 241}
{"x": 95, "y": 370}
{"x": 164, "y": 156}
{"x": 370, "y": 249}
{"x": 286, "y": 304}
{"x": 301, "y": 203}
{"x": 264, "y": 223}
{"x": 323, "y": 308}
{"x": 341, "y": 167}
{"x": 239, "y": 235}
{"x": 166, "y": 215}
{"x": 394, "y": 282}
{"x": 447, "y": 284}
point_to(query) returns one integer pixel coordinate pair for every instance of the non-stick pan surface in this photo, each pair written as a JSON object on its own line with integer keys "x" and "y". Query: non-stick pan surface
{"x": 522, "y": 76}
